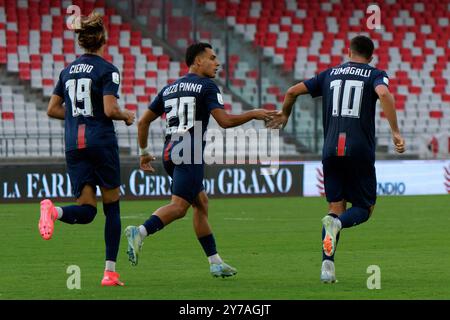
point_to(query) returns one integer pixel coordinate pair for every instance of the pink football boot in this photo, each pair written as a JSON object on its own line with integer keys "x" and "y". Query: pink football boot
{"x": 111, "y": 279}
{"x": 47, "y": 220}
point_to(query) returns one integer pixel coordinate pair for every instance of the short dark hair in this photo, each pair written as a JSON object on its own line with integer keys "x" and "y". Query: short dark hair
{"x": 194, "y": 50}
{"x": 362, "y": 46}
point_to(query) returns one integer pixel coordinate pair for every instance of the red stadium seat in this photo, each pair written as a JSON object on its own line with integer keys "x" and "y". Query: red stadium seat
{"x": 269, "y": 106}
{"x": 8, "y": 116}
{"x": 131, "y": 107}
{"x": 3, "y": 57}
{"x": 127, "y": 89}
{"x": 436, "y": 114}
{"x": 143, "y": 99}
{"x": 151, "y": 91}
{"x": 47, "y": 82}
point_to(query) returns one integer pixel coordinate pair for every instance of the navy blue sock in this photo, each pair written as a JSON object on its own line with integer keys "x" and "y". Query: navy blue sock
{"x": 324, "y": 256}
{"x": 354, "y": 216}
{"x": 208, "y": 244}
{"x": 83, "y": 214}
{"x": 112, "y": 229}
{"x": 153, "y": 224}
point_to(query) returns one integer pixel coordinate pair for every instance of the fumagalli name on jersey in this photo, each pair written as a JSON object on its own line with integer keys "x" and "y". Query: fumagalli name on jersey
{"x": 351, "y": 70}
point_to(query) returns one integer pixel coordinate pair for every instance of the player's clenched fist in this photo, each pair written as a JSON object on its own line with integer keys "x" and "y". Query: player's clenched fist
{"x": 145, "y": 163}
{"x": 399, "y": 142}
{"x": 131, "y": 116}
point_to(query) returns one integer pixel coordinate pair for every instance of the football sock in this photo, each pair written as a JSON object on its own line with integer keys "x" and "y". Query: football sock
{"x": 215, "y": 258}
{"x": 60, "y": 212}
{"x": 143, "y": 231}
{"x": 208, "y": 244}
{"x": 110, "y": 266}
{"x": 112, "y": 230}
{"x": 324, "y": 256}
{"x": 78, "y": 214}
{"x": 354, "y": 216}
{"x": 153, "y": 224}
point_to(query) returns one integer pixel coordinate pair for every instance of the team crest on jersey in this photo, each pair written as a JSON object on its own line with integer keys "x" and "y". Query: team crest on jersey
{"x": 115, "y": 78}
{"x": 220, "y": 98}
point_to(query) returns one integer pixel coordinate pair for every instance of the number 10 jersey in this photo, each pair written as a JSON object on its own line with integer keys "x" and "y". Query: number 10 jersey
{"x": 348, "y": 108}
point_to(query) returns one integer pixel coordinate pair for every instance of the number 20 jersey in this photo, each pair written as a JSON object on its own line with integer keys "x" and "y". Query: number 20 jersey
{"x": 348, "y": 108}
{"x": 188, "y": 100}
{"x": 82, "y": 85}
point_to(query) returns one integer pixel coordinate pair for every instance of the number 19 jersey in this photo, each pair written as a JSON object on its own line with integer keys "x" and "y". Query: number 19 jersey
{"x": 82, "y": 85}
{"x": 348, "y": 108}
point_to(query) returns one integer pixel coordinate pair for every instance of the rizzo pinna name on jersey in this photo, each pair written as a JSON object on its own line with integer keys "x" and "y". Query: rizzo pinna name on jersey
{"x": 81, "y": 68}
{"x": 183, "y": 86}
{"x": 351, "y": 70}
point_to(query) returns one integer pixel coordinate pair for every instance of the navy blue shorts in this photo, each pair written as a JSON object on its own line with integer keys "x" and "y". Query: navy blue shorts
{"x": 187, "y": 179}
{"x": 95, "y": 166}
{"x": 350, "y": 179}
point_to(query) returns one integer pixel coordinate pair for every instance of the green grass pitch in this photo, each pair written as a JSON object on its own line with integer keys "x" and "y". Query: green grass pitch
{"x": 273, "y": 242}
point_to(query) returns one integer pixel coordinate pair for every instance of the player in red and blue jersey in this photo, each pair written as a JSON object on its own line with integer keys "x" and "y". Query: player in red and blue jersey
{"x": 86, "y": 98}
{"x": 349, "y": 93}
{"x": 187, "y": 103}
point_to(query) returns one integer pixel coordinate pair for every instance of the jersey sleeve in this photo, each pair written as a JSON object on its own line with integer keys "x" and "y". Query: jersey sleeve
{"x": 315, "y": 84}
{"x": 157, "y": 105}
{"x": 111, "y": 82}
{"x": 213, "y": 97}
{"x": 381, "y": 78}
{"x": 59, "y": 89}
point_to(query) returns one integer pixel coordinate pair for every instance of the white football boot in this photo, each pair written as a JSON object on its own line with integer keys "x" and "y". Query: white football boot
{"x": 328, "y": 274}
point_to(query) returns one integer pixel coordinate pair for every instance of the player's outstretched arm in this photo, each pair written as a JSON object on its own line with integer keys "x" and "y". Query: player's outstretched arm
{"x": 144, "y": 154}
{"x": 280, "y": 120}
{"x": 113, "y": 111}
{"x": 388, "y": 105}
{"x": 55, "y": 107}
{"x": 226, "y": 120}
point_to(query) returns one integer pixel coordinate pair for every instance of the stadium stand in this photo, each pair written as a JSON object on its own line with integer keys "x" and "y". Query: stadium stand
{"x": 300, "y": 37}
{"x": 306, "y": 37}
{"x": 38, "y": 48}
{"x": 25, "y": 130}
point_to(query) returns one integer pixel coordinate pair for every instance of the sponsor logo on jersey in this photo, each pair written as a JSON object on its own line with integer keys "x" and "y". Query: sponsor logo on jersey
{"x": 115, "y": 78}
{"x": 220, "y": 98}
